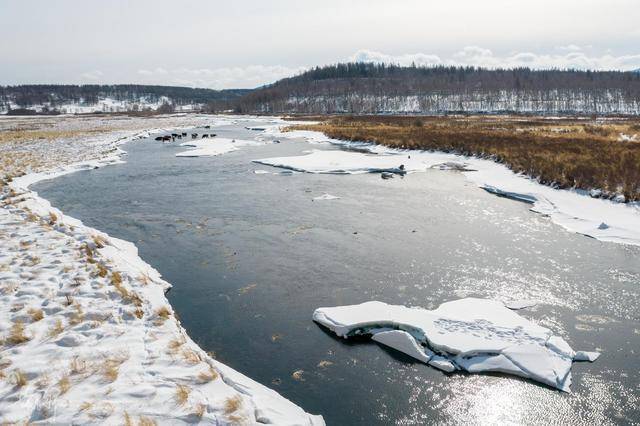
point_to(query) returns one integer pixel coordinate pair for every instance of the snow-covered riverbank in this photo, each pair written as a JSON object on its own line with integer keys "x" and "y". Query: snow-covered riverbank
{"x": 574, "y": 210}
{"x": 87, "y": 333}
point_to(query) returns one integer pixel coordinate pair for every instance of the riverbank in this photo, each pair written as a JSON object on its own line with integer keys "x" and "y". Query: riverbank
{"x": 595, "y": 155}
{"x": 585, "y": 212}
{"x": 87, "y": 333}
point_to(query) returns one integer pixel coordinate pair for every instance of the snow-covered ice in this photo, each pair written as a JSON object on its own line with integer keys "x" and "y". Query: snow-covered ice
{"x": 326, "y": 196}
{"x": 474, "y": 335}
{"x": 210, "y": 147}
{"x": 575, "y": 210}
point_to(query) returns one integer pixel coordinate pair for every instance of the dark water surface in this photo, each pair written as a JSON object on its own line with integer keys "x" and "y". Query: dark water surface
{"x": 252, "y": 255}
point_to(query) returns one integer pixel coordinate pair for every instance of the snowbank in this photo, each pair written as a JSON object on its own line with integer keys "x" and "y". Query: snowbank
{"x": 574, "y": 210}
{"x": 474, "y": 335}
{"x": 89, "y": 337}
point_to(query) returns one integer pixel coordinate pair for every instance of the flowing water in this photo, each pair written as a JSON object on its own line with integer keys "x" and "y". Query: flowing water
{"x": 252, "y": 255}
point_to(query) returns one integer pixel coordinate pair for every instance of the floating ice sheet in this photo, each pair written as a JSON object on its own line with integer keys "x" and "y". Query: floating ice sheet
{"x": 212, "y": 147}
{"x": 474, "y": 335}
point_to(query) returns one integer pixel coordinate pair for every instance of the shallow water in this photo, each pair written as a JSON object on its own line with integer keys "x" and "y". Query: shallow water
{"x": 252, "y": 255}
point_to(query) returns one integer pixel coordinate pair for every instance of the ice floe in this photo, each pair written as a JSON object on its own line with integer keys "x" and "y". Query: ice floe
{"x": 474, "y": 335}
{"x": 575, "y": 210}
{"x": 214, "y": 146}
{"x": 326, "y": 196}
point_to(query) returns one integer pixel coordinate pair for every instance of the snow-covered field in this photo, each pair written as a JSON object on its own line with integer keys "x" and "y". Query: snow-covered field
{"x": 574, "y": 210}
{"x": 474, "y": 335}
{"x": 87, "y": 333}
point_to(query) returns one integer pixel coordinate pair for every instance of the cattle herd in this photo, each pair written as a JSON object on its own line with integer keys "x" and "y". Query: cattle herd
{"x": 173, "y": 136}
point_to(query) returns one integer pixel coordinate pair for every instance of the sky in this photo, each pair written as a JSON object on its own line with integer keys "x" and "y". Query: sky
{"x": 248, "y": 43}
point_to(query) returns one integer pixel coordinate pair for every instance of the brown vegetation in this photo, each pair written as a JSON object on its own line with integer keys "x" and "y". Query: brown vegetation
{"x": 568, "y": 153}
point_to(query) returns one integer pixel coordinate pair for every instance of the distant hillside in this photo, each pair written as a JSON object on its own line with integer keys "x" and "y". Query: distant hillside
{"x": 377, "y": 88}
{"x": 110, "y": 98}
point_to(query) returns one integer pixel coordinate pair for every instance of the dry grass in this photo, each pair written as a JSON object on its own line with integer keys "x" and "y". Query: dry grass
{"x": 19, "y": 378}
{"x": 191, "y": 356}
{"x": 568, "y": 153}
{"x": 163, "y": 313}
{"x": 182, "y": 394}
{"x": 36, "y": 314}
{"x": 16, "y": 334}
{"x": 110, "y": 371}
{"x": 116, "y": 278}
{"x": 199, "y": 411}
{"x": 56, "y": 328}
{"x": 99, "y": 241}
{"x": 53, "y": 218}
{"x": 102, "y": 270}
{"x": 146, "y": 421}
{"x": 77, "y": 315}
{"x": 231, "y": 405}
{"x": 207, "y": 376}
{"x": 64, "y": 384}
{"x": 176, "y": 344}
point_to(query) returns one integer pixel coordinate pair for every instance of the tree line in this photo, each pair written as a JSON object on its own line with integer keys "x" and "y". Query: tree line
{"x": 382, "y": 88}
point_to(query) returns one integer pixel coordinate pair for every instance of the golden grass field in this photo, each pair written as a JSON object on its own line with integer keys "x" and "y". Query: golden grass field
{"x": 567, "y": 153}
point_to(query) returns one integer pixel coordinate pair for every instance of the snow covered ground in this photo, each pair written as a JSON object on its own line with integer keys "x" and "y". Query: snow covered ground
{"x": 574, "y": 210}
{"x": 108, "y": 105}
{"x": 474, "y": 335}
{"x": 87, "y": 333}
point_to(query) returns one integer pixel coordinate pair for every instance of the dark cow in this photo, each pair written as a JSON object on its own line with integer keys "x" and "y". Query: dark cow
{"x": 194, "y": 135}
{"x": 207, "y": 127}
{"x": 159, "y": 138}
{"x": 184, "y": 133}
{"x": 166, "y": 138}
{"x": 204, "y": 135}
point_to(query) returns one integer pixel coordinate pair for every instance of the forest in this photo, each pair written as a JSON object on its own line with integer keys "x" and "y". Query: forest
{"x": 53, "y": 96}
{"x": 367, "y": 88}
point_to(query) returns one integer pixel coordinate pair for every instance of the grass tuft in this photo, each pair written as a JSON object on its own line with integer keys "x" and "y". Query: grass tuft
{"x": 19, "y": 378}
{"x": 16, "y": 335}
{"x": 182, "y": 394}
{"x": 36, "y": 314}
{"x": 207, "y": 376}
{"x": 64, "y": 384}
{"x": 146, "y": 421}
{"x": 163, "y": 313}
{"x": 56, "y": 328}
{"x": 231, "y": 405}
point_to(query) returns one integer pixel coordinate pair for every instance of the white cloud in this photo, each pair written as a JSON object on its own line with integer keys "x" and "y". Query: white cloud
{"x": 420, "y": 59}
{"x": 575, "y": 57}
{"x": 218, "y": 78}
{"x": 94, "y": 76}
